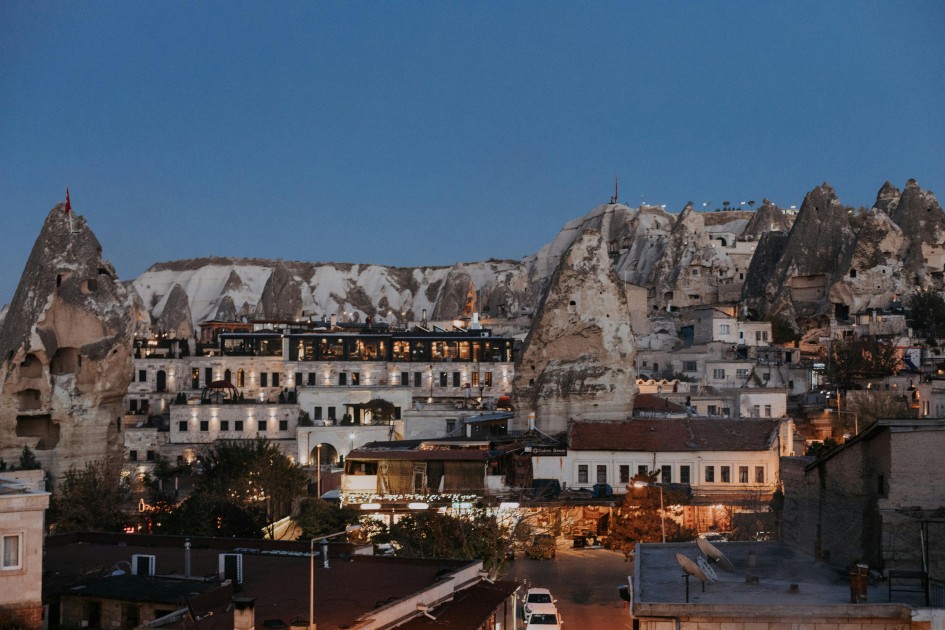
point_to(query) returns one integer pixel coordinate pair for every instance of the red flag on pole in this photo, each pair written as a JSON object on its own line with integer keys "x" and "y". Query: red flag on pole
{"x": 68, "y": 203}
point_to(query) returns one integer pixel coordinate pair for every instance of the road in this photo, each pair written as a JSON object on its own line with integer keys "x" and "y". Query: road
{"x": 585, "y": 583}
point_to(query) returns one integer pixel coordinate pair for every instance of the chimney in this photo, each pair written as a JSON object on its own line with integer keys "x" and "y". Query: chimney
{"x": 531, "y": 420}
{"x": 244, "y": 613}
{"x": 474, "y": 324}
{"x": 334, "y": 321}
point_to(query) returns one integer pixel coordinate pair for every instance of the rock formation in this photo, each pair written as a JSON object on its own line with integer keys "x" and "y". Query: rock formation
{"x": 577, "y": 361}
{"x": 175, "y": 318}
{"x": 65, "y": 347}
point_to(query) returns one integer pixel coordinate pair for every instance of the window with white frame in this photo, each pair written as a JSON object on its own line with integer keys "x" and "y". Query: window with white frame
{"x": 718, "y": 373}
{"x": 723, "y": 329}
{"x": 582, "y": 473}
{"x": 12, "y": 552}
{"x": 601, "y": 473}
{"x": 767, "y": 411}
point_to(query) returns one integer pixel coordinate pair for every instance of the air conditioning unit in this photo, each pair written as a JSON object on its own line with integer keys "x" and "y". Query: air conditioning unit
{"x": 231, "y": 567}
{"x": 142, "y": 564}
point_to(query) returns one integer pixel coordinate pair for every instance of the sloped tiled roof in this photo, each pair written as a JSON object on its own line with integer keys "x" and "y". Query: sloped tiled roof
{"x": 674, "y": 435}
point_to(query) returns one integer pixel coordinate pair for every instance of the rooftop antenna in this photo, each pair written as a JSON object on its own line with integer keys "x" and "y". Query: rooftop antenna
{"x": 616, "y": 188}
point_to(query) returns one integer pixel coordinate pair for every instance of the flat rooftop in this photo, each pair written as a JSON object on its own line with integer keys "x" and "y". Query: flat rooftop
{"x": 769, "y": 579}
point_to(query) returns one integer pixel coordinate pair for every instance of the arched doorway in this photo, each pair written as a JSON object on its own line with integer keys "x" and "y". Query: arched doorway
{"x": 328, "y": 457}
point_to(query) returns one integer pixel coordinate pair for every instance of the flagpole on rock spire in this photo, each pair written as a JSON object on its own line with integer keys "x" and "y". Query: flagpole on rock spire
{"x": 68, "y": 210}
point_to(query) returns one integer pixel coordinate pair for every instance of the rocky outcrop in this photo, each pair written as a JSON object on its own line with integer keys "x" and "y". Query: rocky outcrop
{"x": 768, "y": 218}
{"x": 175, "y": 318}
{"x": 66, "y": 351}
{"x": 457, "y": 298}
{"x": 281, "y": 297}
{"x": 577, "y": 361}
{"x": 819, "y": 242}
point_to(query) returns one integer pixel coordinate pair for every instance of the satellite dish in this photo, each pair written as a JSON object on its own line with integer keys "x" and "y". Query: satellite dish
{"x": 691, "y": 568}
{"x": 714, "y": 555}
{"x": 707, "y": 569}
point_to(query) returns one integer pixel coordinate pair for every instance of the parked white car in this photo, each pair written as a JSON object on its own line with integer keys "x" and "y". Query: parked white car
{"x": 543, "y": 617}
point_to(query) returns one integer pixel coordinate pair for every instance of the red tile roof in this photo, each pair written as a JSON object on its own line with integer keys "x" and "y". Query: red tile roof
{"x": 654, "y": 402}
{"x": 674, "y": 435}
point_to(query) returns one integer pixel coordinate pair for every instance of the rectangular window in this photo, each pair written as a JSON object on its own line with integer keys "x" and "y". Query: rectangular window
{"x": 342, "y": 378}
{"x": 723, "y": 329}
{"x": 757, "y": 335}
{"x": 488, "y": 378}
{"x": 317, "y": 412}
{"x": 207, "y": 376}
{"x": 743, "y": 474}
{"x": 684, "y": 476}
{"x": 11, "y": 552}
{"x": 405, "y": 379}
{"x": 418, "y": 379}
{"x": 261, "y": 424}
{"x": 397, "y": 413}
{"x": 133, "y": 405}
{"x": 133, "y": 455}
{"x": 195, "y": 378}
{"x": 238, "y": 425}
{"x": 689, "y": 366}
{"x": 264, "y": 379}
{"x": 150, "y": 456}
{"x": 767, "y": 411}
{"x": 444, "y": 379}
{"x": 601, "y": 473}
{"x": 726, "y": 474}
{"x": 142, "y": 376}
{"x": 355, "y": 378}
{"x": 756, "y": 411}
{"x": 666, "y": 474}
{"x": 182, "y": 426}
{"x": 331, "y": 413}
{"x": 275, "y": 379}
{"x": 741, "y": 373}
{"x": 311, "y": 379}
{"x": 450, "y": 425}
{"x": 456, "y": 379}
{"x": 759, "y": 474}
{"x": 283, "y": 425}
{"x": 642, "y": 470}
{"x": 298, "y": 379}
{"x": 764, "y": 335}
{"x": 718, "y": 373}
{"x": 224, "y": 425}
{"x": 204, "y": 426}
{"x": 624, "y": 473}
{"x": 713, "y": 410}
{"x": 582, "y": 473}
{"x": 475, "y": 379}
{"x": 710, "y": 474}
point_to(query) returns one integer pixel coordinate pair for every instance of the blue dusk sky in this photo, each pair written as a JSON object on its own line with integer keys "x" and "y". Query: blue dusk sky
{"x": 427, "y": 133}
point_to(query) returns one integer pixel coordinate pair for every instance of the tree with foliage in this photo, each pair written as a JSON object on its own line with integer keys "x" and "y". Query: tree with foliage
{"x": 479, "y": 535}
{"x": 382, "y": 411}
{"x": 28, "y": 459}
{"x": 849, "y": 358}
{"x": 928, "y": 313}
{"x": 639, "y": 519}
{"x": 318, "y": 517}
{"x": 90, "y": 500}
{"x": 249, "y": 482}
{"x": 782, "y": 331}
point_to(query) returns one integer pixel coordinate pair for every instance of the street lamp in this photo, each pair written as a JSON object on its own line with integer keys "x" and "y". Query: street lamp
{"x": 311, "y": 569}
{"x": 318, "y": 473}
{"x": 644, "y": 484}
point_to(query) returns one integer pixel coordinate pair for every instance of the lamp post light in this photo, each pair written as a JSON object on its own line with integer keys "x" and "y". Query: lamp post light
{"x": 644, "y": 484}
{"x": 318, "y": 473}
{"x": 311, "y": 570}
